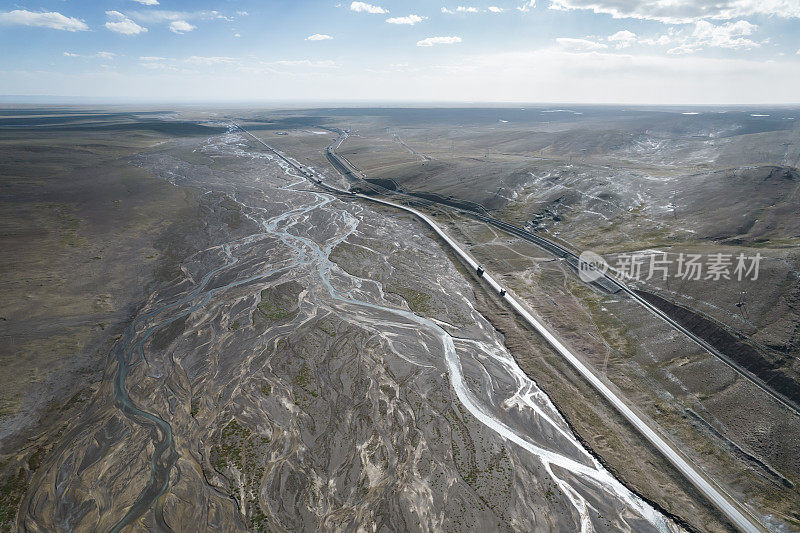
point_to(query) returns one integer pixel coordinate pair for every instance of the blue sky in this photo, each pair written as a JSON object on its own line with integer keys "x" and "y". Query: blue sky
{"x": 589, "y": 51}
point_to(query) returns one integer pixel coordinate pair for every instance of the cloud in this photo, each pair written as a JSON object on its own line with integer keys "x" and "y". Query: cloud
{"x": 623, "y": 38}
{"x": 527, "y": 6}
{"x": 460, "y": 9}
{"x": 318, "y": 37}
{"x": 495, "y": 9}
{"x": 682, "y": 11}
{"x": 552, "y": 74}
{"x": 158, "y": 16}
{"x": 579, "y": 45}
{"x": 662, "y": 40}
{"x": 687, "y": 40}
{"x": 430, "y": 41}
{"x": 51, "y": 19}
{"x": 122, "y": 24}
{"x": 156, "y": 64}
{"x": 180, "y": 27}
{"x": 214, "y": 60}
{"x": 693, "y": 38}
{"x": 548, "y": 74}
{"x": 728, "y": 35}
{"x": 302, "y": 63}
{"x": 147, "y": 2}
{"x": 363, "y": 7}
{"x": 409, "y": 20}
{"x": 205, "y": 64}
{"x": 101, "y": 55}
{"x": 682, "y": 50}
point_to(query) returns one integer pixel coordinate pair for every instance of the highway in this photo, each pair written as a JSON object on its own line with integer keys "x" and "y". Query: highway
{"x": 607, "y": 281}
{"x": 714, "y": 495}
{"x": 732, "y": 510}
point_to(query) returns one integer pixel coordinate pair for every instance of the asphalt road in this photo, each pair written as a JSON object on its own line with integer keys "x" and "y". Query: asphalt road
{"x": 607, "y": 281}
{"x": 732, "y": 510}
{"x": 714, "y": 495}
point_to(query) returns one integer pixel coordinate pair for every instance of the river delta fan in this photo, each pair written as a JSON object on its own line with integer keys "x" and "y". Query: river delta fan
{"x": 292, "y": 288}
{"x": 368, "y": 266}
{"x": 494, "y": 317}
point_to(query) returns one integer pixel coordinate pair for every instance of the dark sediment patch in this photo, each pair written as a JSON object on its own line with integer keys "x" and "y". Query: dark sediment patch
{"x": 737, "y": 350}
{"x": 164, "y": 336}
{"x": 389, "y": 184}
{"x": 156, "y": 126}
{"x": 450, "y": 201}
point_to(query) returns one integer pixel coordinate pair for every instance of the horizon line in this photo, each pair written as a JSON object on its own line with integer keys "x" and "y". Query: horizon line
{"x": 39, "y": 100}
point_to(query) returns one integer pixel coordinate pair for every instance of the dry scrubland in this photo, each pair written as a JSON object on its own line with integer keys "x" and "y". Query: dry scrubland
{"x": 292, "y": 408}
{"x": 618, "y": 181}
{"x": 295, "y": 373}
{"x": 84, "y": 236}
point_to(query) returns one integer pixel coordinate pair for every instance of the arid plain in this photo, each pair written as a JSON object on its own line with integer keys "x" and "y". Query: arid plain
{"x": 194, "y": 332}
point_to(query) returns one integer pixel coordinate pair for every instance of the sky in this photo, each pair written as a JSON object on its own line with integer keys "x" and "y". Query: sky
{"x": 578, "y": 51}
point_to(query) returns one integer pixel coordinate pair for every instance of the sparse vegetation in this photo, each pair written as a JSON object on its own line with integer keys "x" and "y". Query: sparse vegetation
{"x": 353, "y": 415}
{"x": 12, "y": 489}
{"x": 307, "y": 384}
{"x": 272, "y": 309}
{"x": 240, "y": 456}
{"x": 68, "y": 224}
{"x": 418, "y": 301}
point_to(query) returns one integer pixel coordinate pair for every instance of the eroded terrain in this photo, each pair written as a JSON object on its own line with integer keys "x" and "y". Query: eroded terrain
{"x": 321, "y": 365}
{"x": 624, "y": 181}
{"x": 303, "y": 361}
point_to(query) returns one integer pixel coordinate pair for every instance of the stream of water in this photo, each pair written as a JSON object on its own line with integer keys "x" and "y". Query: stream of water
{"x": 308, "y": 254}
